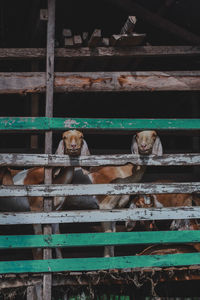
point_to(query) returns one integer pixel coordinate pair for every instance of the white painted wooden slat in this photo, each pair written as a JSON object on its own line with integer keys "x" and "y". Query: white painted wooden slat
{"x": 79, "y": 216}
{"x": 98, "y": 160}
{"x": 98, "y": 189}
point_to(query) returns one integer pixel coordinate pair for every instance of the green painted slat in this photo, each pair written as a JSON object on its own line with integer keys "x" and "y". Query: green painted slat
{"x": 22, "y": 123}
{"x": 43, "y": 123}
{"x": 99, "y": 263}
{"x": 98, "y": 239}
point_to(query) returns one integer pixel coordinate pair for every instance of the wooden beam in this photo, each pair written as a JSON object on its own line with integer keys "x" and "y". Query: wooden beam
{"x": 47, "y": 253}
{"x": 98, "y": 239}
{"x": 57, "y": 190}
{"x": 157, "y": 21}
{"x": 50, "y": 160}
{"x": 34, "y": 108}
{"x": 45, "y": 123}
{"x": 127, "y": 40}
{"x": 85, "y": 52}
{"x": 93, "y": 216}
{"x": 12, "y": 83}
{"x": 100, "y": 263}
{"x": 107, "y": 278}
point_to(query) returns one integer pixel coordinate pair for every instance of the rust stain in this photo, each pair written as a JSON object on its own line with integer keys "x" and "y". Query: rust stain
{"x": 79, "y": 81}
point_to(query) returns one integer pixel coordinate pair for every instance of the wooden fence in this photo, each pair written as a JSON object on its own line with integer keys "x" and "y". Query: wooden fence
{"x": 99, "y": 239}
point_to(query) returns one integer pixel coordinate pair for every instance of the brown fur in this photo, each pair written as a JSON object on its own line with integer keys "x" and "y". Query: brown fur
{"x": 73, "y": 141}
{"x": 36, "y": 175}
{"x": 166, "y": 200}
{"x": 5, "y": 176}
{"x": 145, "y": 140}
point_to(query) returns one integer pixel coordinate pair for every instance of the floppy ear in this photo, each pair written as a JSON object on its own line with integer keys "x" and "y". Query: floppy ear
{"x": 134, "y": 146}
{"x": 85, "y": 149}
{"x": 157, "y": 147}
{"x": 60, "y": 149}
{"x": 7, "y": 178}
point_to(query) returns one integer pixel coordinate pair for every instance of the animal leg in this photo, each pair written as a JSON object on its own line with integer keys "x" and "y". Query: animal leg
{"x": 123, "y": 201}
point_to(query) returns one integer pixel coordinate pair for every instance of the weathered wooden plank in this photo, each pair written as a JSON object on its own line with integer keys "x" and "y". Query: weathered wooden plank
{"x": 85, "y": 52}
{"x": 48, "y": 203}
{"x": 50, "y": 160}
{"x": 100, "y": 263}
{"x": 55, "y": 190}
{"x": 98, "y": 239}
{"x": 124, "y": 40}
{"x": 44, "y": 123}
{"x": 136, "y": 214}
{"x": 101, "y": 81}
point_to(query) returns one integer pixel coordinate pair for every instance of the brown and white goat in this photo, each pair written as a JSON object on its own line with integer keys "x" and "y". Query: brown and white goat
{"x": 144, "y": 143}
{"x": 158, "y": 201}
{"x": 72, "y": 144}
{"x": 166, "y": 200}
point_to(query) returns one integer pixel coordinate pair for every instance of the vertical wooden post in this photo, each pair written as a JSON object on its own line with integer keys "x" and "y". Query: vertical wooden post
{"x": 47, "y": 279}
{"x": 34, "y": 108}
{"x": 195, "y": 139}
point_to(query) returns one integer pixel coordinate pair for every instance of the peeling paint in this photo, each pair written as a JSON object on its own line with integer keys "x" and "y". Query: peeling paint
{"x": 70, "y": 123}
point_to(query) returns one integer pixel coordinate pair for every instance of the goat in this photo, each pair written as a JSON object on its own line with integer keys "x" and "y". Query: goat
{"x": 159, "y": 201}
{"x": 166, "y": 200}
{"x": 145, "y": 143}
{"x": 72, "y": 144}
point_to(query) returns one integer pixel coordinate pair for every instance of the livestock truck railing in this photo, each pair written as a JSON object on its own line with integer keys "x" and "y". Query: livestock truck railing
{"x": 98, "y": 239}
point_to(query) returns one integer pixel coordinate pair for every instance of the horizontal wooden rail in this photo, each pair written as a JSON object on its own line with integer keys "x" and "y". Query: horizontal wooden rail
{"x": 54, "y": 190}
{"x": 99, "y": 263}
{"x": 85, "y": 52}
{"x": 98, "y": 239}
{"x": 34, "y": 82}
{"x": 43, "y": 123}
{"x": 26, "y": 160}
{"x": 136, "y": 214}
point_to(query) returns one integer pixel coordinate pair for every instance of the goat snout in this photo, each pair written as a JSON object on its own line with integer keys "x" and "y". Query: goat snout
{"x": 144, "y": 146}
{"x": 74, "y": 146}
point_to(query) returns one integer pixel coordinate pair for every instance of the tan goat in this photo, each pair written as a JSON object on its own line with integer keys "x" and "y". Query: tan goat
{"x": 144, "y": 143}
{"x": 72, "y": 144}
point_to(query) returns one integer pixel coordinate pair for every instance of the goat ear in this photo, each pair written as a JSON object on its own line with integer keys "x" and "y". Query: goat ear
{"x": 85, "y": 149}
{"x": 7, "y": 178}
{"x": 157, "y": 147}
{"x": 60, "y": 149}
{"x": 134, "y": 146}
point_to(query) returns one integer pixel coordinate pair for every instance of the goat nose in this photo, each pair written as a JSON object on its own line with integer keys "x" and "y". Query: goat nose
{"x": 73, "y": 146}
{"x": 143, "y": 145}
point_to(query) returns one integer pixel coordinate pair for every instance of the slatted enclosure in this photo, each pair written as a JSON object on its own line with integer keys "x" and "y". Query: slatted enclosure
{"x": 69, "y": 83}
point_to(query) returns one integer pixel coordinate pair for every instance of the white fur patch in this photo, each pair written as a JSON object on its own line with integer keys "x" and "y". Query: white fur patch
{"x": 18, "y": 179}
